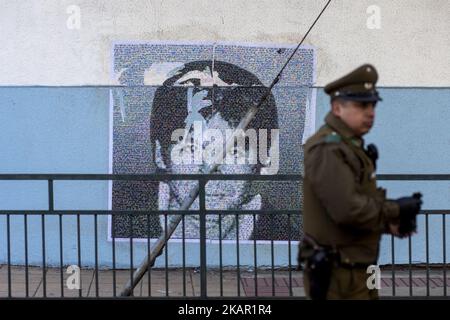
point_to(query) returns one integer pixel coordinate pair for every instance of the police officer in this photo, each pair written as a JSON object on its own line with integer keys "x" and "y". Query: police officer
{"x": 345, "y": 213}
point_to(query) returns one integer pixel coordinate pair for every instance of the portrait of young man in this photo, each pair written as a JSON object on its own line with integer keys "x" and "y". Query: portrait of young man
{"x": 181, "y": 101}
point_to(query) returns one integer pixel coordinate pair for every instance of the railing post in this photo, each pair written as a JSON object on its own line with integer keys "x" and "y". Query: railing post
{"x": 444, "y": 257}
{"x": 393, "y": 264}
{"x": 427, "y": 253}
{"x": 203, "y": 290}
{"x": 8, "y": 244}
{"x": 61, "y": 248}
{"x": 44, "y": 263}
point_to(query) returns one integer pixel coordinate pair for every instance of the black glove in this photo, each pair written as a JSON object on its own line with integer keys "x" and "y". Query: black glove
{"x": 409, "y": 208}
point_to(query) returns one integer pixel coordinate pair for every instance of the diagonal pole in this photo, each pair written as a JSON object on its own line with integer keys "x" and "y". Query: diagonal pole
{"x": 149, "y": 260}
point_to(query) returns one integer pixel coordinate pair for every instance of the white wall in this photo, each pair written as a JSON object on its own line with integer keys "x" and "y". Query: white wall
{"x": 411, "y": 48}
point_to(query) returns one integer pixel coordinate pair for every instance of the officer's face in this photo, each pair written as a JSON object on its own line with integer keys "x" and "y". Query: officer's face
{"x": 359, "y": 116}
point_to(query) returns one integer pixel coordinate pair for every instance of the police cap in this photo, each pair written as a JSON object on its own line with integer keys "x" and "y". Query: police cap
{"x": 358, "y": 85}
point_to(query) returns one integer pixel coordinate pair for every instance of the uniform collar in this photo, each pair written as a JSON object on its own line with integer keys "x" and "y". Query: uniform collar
{"x": 342, "y": 129}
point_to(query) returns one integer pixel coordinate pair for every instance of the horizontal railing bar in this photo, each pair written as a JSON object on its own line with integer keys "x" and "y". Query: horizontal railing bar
{"x": 145, "y": 86}
{"x": 152, "y": 177}
{"x": 164, "y": 177}
{"x": 145, "y": 212}
{"x": 131, "y": 86}
{"x": 414, "y": 177}
{"x": 175, "y": 212}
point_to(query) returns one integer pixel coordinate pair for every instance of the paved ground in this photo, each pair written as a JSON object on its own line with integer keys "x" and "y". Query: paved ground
{"x": 175, "y": 283}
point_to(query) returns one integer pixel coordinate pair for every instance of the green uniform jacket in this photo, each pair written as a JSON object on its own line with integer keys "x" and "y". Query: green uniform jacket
{"x": 343, "y": 207}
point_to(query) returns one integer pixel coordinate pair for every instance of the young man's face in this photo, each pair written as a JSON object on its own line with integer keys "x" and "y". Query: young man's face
{"x": 220, "y": 195}
{"x": 358, "y": 116}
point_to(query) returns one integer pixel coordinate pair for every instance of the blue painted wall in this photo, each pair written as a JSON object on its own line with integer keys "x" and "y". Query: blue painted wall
{"x": 65, "y": 130}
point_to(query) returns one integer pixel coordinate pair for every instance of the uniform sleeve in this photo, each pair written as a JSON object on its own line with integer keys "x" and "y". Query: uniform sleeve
{"x": 335, "y": 183}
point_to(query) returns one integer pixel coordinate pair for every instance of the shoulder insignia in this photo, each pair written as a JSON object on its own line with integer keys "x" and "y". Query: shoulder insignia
{"x": 333, "y": 137}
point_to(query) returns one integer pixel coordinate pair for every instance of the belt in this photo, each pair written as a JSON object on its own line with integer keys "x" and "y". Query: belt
{"x": 333, "y": 254}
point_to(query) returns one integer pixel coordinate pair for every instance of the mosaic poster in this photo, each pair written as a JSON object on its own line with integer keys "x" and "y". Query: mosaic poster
{"x": 174, "y": 109}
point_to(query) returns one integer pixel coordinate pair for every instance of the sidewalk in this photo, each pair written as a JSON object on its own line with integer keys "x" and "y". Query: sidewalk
{"x": 174, "y": 283}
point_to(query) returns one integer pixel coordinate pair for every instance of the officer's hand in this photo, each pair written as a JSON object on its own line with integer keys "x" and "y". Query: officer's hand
{"x": 409, "y": 208}
{"x": 409, "y": 205}
{"x": 394, "y": 230}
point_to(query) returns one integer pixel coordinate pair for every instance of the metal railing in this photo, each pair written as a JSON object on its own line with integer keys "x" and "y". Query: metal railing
{"x": 426, "y": 214}
{"x": 253, "y": 280}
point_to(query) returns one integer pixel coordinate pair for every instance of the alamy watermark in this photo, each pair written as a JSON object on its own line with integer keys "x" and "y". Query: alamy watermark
{"x": 201, "y": 146}
{"x": 374, "y": 280}
{"x": 73, "y": 281}
{"x": 74, "y": 19}
{"x": 374, "y": 20}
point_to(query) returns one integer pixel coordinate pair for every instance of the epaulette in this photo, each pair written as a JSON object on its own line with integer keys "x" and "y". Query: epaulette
{"x": 333, "y": 137}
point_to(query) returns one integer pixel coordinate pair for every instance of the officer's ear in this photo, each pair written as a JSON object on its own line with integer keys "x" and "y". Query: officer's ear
{"x": 336, "y": 105}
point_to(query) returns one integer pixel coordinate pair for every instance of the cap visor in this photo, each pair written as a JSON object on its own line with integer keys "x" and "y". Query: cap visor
{"x": 362, "y": 99}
